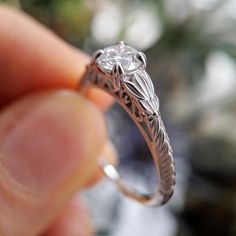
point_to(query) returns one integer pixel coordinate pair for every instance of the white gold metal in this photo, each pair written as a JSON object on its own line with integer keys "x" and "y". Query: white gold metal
{"x": 120, "y": 71}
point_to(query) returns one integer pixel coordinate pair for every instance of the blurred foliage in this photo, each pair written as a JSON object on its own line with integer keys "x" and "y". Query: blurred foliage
{"x": 68, "y": 18}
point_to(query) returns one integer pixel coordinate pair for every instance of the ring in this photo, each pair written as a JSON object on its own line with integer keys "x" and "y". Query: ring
{"x": 120, "y": 71}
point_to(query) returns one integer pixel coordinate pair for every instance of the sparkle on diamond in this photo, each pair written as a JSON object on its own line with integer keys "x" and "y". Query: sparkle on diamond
{"x": 121, "y": 53}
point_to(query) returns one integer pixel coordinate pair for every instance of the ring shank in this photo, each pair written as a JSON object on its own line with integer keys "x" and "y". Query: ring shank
{"x": 113, "y": 175}
{"x": 154, "y": 133}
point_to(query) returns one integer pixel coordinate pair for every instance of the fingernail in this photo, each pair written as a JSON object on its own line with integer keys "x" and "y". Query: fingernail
{"x": 52, "y": 141}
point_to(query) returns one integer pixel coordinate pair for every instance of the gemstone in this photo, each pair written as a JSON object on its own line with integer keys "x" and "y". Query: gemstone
{"x": 120, "y": 53}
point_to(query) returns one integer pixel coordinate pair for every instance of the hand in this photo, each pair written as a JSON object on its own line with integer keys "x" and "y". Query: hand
{"x": 50, "y": 136}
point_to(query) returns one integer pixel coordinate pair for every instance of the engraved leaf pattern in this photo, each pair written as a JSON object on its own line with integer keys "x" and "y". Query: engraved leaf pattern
{"x": 151, "y": 105}
{"x": 140, "y": 85}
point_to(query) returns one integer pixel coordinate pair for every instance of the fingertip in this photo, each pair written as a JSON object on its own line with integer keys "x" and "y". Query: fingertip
{"x": 34, "y": 58}
{"x": 49, "y": 148}
{"x": 63, "y": 130}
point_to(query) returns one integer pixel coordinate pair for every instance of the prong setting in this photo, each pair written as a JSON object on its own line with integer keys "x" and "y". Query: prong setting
{"x": 97, "y": 54}
{"x": 122, "y": 43}
{"x": 117, "y": 73}
{"x": 122, "y": 53}
{"x": 142, "y": 58}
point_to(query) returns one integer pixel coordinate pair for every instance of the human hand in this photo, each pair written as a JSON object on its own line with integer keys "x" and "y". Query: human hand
{"x": 50, "y": 136}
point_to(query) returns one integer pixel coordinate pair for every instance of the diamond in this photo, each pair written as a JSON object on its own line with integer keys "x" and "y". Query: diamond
{"x": 120, "y": 53}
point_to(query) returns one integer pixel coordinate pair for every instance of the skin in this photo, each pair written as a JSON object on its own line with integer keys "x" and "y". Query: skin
{"x": 51, "y": 137}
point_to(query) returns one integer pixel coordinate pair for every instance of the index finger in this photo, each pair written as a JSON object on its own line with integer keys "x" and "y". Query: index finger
{"x": 33, "y": 58}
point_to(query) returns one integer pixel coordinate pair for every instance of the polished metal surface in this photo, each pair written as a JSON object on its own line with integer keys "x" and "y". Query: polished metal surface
{"x": 120, "y": 71}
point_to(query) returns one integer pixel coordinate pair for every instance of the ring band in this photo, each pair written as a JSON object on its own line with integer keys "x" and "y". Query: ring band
{"x": 120, "y": 71}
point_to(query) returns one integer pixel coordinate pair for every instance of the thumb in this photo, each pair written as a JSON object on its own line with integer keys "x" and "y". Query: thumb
{"x": 49, "y": 145}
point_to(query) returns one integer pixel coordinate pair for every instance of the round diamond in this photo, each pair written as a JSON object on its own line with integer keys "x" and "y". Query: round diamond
{"x": 121, "y": 53}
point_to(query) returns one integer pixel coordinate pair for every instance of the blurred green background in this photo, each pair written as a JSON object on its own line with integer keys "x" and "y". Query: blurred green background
{"x": 191, "y": 51}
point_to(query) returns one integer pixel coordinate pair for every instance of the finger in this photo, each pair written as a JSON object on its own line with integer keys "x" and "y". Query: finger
{"x": 32, "y": 58}
{"x": 74, "y": 220}
{"x": 49, "y": 146}
{"x": 102, "y": 99}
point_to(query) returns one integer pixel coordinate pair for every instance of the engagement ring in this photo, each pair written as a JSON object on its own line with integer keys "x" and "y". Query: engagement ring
{"x": 120, "y": 71}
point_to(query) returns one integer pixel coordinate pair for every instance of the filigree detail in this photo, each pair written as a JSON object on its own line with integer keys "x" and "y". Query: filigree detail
{"x": 166, "y": 160}
{"x": 138, "y": 98}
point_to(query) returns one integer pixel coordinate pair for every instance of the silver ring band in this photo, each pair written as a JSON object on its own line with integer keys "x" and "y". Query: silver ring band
{"x": 120, "y": 71}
